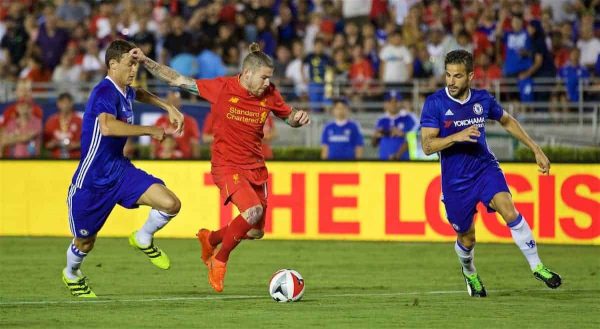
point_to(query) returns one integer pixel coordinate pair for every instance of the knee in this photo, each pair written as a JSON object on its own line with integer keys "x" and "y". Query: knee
{"x": 85, "y": 245}
{"x": 253, "y": 214}
{"x": 172, "y": 205}
{"x": 255, "y": 234}
{"x": 467, "y": 240}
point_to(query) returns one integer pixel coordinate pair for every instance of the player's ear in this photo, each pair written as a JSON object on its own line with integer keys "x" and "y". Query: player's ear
{"x": 471, "y": 75}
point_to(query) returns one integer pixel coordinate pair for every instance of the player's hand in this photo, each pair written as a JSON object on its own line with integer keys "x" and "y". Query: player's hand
{"x": 468, "y": 135}
{"x": 542, "y": 162}
{"x": 138, "y": 55}
{"x": 300, "y": 118}
{"x": 157, "y": 133}
{"x": 176, "y": 119}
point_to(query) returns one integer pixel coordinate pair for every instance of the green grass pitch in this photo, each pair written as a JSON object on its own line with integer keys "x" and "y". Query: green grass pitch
{"x": 348, "y": 285}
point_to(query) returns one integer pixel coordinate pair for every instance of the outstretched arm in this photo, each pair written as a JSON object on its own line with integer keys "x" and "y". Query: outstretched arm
{"x": 165, "y": 73}
{"x": 175, "y": 117}
{"x": 111, "y": 126}
{"x": 512, "y": 126}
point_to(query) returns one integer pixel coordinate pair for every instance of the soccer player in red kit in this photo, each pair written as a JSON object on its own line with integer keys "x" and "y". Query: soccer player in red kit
{"x": 240, "y": 106}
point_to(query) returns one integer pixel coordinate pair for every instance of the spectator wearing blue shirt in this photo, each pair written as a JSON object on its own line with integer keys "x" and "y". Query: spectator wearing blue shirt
{"x": 542, "y": 61}
{"x": 392, "y": 127}
{"x": 517, "y": 57}
{"x": 318, "y": 63}
{"x": 210, "y": 64}
{"x": 572, "y": 73}
{"x": 341, "y": 138}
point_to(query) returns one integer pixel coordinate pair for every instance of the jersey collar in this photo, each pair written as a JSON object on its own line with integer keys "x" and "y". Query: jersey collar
{"x": 119, "y": 89}
{"x": 456, "y": 100}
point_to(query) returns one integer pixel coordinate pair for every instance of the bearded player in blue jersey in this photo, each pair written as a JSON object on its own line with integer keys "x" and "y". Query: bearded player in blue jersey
{"x": 105, "y": 178}
{"x": 453, "y": 124}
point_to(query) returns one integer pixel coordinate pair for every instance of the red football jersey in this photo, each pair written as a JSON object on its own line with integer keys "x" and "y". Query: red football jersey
{"x": 72, "y": 132}
{"x": 238, "y": 120}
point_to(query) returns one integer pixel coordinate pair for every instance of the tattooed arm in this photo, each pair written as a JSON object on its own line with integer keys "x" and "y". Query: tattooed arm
{"x": 165, "y": 73}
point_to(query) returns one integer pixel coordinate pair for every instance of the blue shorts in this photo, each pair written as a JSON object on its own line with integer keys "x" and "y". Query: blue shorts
{"x": 461, "y": 206}
{"x": 89, "y": 208}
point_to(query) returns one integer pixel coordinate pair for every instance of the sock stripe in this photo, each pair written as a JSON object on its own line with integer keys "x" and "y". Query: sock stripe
{"x": 516, "y": 221}
{"x": 77, "y": 252}
{"x": 164, "y": 215}
{"x": 463, "y": 248}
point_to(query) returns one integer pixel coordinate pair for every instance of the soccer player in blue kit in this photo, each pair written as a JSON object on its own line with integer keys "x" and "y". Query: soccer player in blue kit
{"x": 105, "y": 177}
{"x": 453, "y": 124}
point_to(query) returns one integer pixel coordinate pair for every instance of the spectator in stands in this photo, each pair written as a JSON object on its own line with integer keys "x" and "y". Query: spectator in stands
{"x": 67, "y": 74}
{"x": 23, "y": 93}
{"x": 573, "y": 74}
{"x": 295, "y": 70}
{"x": 177, "y": 41}
{"x": 543, "y": 63}
{"x": 21, "y": 133}
{"x": 187, "y": 144}
{"x": 71, "y": 12}
{"x": 396, "y": 62}
{"x": 517, "y": 57}
{"x": 14, "y": 44}
{"x": 62, "y": 132}
{"x": 589, "y": 45}
{"x": 34, "y": 71}
{"x": 318, "y": 64}
{"x": 210, "y": 64}
{"x": 392, "y": 127}
{"x": 341, "y": 138}
{"x": 265, "y": 36}
{"x": 144, "y": 38}
{"x": 52, "y": 40}
{"x": 422, "y": 65}
{"x": 286, "y": 26}
{"x": 281, "y": 61}
{"x": 486, "y": 72}
{"x": 92, "y": 66}
{"x": 361, "y": 73}
{"x": 372, "y": 54}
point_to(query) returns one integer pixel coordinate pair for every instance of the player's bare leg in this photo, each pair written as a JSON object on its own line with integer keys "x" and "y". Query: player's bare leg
{"x": 72, "y": 276}
{"x": 235, "y": 233}
{"x": 165, "y": 205}
{"x": 464, "y": 247}
{"x": 523, "y": 237}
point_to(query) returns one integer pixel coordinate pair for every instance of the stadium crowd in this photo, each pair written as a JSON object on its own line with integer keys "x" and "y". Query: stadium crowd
{"x": 375, "y": 49}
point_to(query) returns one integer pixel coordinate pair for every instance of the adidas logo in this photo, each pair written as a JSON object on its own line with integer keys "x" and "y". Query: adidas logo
{"x": 449, "y": 112}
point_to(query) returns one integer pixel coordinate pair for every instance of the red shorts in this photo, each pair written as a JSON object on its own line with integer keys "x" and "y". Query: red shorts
{"x": 245, "y": 188}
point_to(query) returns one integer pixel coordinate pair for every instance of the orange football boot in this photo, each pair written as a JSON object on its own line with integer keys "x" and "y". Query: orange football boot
{"x": 207, "y": 248}
{"x": 216, "y": 273}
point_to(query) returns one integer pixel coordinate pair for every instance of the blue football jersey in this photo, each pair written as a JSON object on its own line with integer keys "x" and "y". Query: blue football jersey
{"x": 464, "y": 161}
{"x": 342, "y": 140}
{"x": 404, "y": 121}
{"x": 102, "y": 161}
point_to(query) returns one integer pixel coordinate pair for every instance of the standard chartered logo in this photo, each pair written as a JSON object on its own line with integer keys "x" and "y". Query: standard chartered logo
{"x": 246, "y": 116}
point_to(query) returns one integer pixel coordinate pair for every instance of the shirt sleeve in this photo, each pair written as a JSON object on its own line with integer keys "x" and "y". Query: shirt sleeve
{"x": 49, "y": 128}
{"x": 412, "y": 123}
{"x": 278, "y": 105}
{"x": 208, "y": 123}
{"x": 192, "y": 128}
{"x": 210, "y": 89}
{"x": 496, "y": 110}
{"x": 429, "y": 116}
{"x": 379, "y": 124}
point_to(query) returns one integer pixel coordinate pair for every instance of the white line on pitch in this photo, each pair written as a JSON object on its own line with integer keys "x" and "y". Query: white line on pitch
{"x": 209, "y": 298}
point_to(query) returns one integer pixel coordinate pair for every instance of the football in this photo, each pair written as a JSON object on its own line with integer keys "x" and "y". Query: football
{"x": 286, "y": 286}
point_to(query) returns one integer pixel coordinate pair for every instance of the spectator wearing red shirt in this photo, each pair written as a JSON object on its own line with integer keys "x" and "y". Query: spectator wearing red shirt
{"x": 361, "y": 72}
{"x": 20, "y": 137}
{"x": 186, "y": 144}
{"x": 485, "y": 72}
{"x": 62, "y": 132}
{"x": 23, "y": 92}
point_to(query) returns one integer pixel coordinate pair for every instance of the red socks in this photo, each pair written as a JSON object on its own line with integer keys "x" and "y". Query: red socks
{"x": 232, "y": 236}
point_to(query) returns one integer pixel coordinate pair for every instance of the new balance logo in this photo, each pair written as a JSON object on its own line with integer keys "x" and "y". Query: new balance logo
{"x": 449, "y": 112}
{"x": 234, "y": 100}
{"x": 530, "y": 244}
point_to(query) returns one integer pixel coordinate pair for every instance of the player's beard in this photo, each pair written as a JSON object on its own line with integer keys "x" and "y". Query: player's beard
{"x": 459, "y": 93}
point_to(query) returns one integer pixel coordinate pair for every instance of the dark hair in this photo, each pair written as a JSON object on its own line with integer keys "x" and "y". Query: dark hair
{"x": 256, "y": 58}
{"x": 460, "y": 57}
{"x": 64, "y": 95}
{"x": 342, "y": 100}
{"x": 116, "y": 49}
